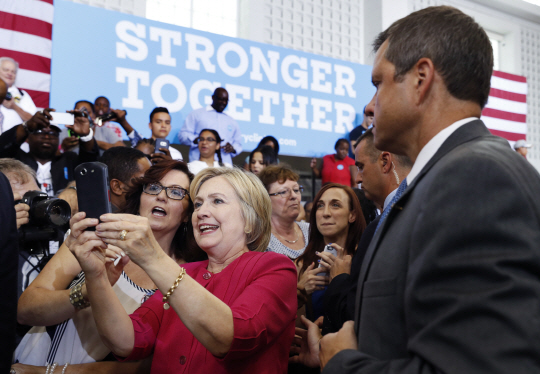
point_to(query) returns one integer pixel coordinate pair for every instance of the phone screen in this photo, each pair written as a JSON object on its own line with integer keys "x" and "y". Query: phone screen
{"x": 62, "y": 119}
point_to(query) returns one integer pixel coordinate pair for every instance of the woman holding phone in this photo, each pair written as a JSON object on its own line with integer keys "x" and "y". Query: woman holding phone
{"x": 336, "y": 220}
{"x": 71, "y": 336}
{"x": 233, "y": 313}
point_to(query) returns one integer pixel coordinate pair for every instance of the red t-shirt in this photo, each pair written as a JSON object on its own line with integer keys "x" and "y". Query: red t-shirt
{"x": 260, "y": 289}
{"x": 336, "y": 171}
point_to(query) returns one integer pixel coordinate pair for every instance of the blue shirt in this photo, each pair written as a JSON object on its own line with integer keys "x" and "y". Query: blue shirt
{"x": 208, "y": 118}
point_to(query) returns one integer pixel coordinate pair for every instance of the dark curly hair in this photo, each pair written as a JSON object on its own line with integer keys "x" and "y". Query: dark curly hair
{"x": 183, "y": 245}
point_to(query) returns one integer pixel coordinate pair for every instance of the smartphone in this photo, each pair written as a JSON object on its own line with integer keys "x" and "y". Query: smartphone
{"x": 328, "y": 248}
{"x": 93, "y": 194}
{"x": 72, "y": 133}
{"x": 161, "y": 143}
{"x": 62, "y": 118}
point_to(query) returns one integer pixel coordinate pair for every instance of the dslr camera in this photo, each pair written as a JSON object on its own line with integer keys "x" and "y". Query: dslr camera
{"x": 49, "y": 219}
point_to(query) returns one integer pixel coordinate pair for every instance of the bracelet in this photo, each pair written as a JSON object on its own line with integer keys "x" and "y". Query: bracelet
{"x": 76, "y": 297}
{"x": 50, "y": 369}
{"x": 72, "y": 187}
{"x": 173, "y": 287}
{"x": 65, "y": 367}
{"x": 88, "y": 137}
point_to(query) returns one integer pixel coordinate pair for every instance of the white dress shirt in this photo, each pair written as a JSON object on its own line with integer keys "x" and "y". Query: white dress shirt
{"x": 433, "y": 146}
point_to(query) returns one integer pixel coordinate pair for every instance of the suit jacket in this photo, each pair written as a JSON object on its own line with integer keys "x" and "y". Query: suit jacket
{"x": 9, "y": 256}
{"x": 62, "y": 167}
{"x": 450, "y": 282}
{"x": 339, "y": 297}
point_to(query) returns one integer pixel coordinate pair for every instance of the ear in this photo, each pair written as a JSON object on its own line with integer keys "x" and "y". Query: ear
{"x": 150, "y": 125}
{"x": 386, "y": 162}
{"x": 116, "y": 187}
{"x": 424, "y": 75}
{"x": 352, "y": 217}
{"x": 218, "y": 146}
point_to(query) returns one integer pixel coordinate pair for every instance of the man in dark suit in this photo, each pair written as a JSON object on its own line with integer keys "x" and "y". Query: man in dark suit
{"x": 380, "y": 174}
{"x": 450, "y": 281}
{"x": 54, "y": 171}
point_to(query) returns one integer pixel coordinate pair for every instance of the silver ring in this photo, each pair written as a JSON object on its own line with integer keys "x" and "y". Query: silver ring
{"x": 12, "y": 371}
{"x": 123, "y": 235}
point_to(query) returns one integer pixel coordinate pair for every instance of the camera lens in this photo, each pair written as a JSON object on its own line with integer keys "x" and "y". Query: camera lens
{"x": 52, "y": 211}
{"x": 84, "y": 171}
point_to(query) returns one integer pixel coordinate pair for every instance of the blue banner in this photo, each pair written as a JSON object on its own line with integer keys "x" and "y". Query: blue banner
{"x": 306, "y": 101}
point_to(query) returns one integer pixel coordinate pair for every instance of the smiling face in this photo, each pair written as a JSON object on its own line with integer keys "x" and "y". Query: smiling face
{"x": 165, "y": 214}
{"x": 160, "y": 125}
{"x": 288, "y": 206}
{"x": 215, "y": 232}
{"x": 393, "y": 105}
{"x": 8, "y": 72}
{"x": 333, "y": 215}
{"x": 256, "y": 164}
{"x": 207, "y": 144}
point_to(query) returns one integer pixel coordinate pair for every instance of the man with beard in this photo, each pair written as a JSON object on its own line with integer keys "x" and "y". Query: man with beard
{"x": 212, "y": 117}
{"x": 53, "y": 171}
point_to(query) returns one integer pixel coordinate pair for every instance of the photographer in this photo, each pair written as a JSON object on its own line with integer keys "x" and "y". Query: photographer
{"x": 104, "y": 136}
{"x": 23, "y": 179}
{"x": 53, "y": 171}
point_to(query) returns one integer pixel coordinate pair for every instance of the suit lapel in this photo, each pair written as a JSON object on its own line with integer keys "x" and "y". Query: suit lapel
{"x": 462, "y": 135}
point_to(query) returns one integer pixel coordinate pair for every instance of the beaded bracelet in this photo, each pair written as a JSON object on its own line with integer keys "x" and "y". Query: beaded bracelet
{"x": 173, "y": 287}
{"x": 65, "y": 367}
{"x": 76, "y": 297}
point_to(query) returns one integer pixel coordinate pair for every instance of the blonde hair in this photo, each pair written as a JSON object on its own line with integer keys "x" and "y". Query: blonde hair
{"x": 20, "y": 173}
{"x": 254, "y": 202}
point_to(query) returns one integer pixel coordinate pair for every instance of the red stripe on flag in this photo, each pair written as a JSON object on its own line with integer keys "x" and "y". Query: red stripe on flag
{"x": 28, "y": 61}
{"x": 47, "y": 1}
{"x": 500, "y": 114}
{"x": 512, "y": 136}
{"x": 512, "y": 77}
{"x": 40, "y": 98}
{"x": 25, "y": 25}
{"x": 501, "y": 94}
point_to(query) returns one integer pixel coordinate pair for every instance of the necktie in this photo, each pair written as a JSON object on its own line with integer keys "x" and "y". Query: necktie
{"x": 398, "y": 194}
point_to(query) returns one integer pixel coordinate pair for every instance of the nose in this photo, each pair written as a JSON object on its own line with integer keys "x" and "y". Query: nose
{"x": 358, "y": 178}
{"x": 326, "y": 211}
{"x": 162, "y": 195}
{"x": 370, "y": 108}
{"x": 201, "y": 212}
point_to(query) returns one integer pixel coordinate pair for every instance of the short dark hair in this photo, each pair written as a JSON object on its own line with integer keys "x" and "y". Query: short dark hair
{"x": 183, "y": 245}
{"x": 122, "y": 162}
{"x": 159, "y": 109}
{"x": 459, "y": 48}
{"x": 342, "y": 140}
{"x": 87, "y": 102}
{"x": 270, "y": 138}
{"x": 269, "y": 156}
{"x": 277, "y": 173}
{"x": 102, "y": 97}
{"x": 374, "y": 153}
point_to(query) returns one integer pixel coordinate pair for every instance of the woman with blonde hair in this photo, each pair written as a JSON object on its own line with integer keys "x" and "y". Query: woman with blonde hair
{"x": 233, "y": 313}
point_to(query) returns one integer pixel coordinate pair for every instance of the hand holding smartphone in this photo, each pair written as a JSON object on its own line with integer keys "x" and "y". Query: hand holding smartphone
{"x": 62, "y": 118}
{"x": 161, "y": 143}
{"x": 329, "y": 249}
{"x": 93, "y": 194}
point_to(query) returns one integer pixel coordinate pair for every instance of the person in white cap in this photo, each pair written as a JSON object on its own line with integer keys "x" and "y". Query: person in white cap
{"x": 522, "y": 147}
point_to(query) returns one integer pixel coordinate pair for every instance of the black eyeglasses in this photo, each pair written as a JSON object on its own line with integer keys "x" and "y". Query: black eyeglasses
{"x": 287, "y": 192}
{"x": 175, "y": 193}
{"x": 209, "y": 140}
{"x": 42, "y": 132}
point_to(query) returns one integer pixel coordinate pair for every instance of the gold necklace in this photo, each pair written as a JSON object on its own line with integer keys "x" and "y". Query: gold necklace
{"x": 289, "y": 241}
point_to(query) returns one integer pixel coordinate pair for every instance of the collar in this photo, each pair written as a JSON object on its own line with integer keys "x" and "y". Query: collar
{"x": 389, "y": 198}
{"x": 433, "y": 146}
{"x": 210, "y": 108}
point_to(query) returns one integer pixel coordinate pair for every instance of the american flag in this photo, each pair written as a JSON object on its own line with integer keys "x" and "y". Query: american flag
{"x": 25, "y": 36}
{"x": 506, "y": 111}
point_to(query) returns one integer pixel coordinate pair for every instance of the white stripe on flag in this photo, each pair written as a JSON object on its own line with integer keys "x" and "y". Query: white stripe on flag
{"x": 508, "y": 85}
{"x": 506, "y": 105}
{"x": 33, "y": 80}
{"x": 504, "y": 125}
{"x": 27, "y": 43}
{"x": 29, "y": 8}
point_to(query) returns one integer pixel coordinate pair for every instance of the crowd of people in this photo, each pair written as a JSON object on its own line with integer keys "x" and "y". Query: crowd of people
{"x": 430, "y": 266}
